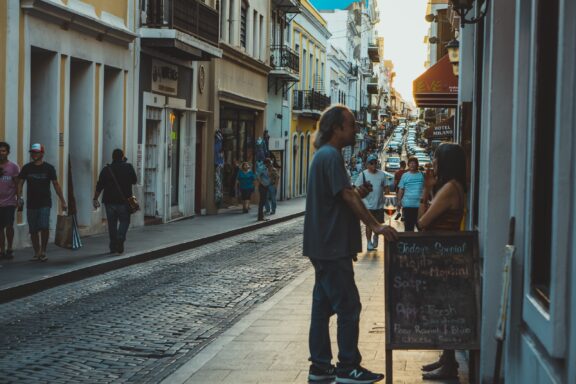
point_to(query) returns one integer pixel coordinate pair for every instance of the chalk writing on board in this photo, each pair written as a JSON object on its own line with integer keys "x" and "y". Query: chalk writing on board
{"x": 432, "y": 291}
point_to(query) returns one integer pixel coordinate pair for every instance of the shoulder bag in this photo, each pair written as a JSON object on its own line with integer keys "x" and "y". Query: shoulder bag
{"x": 132, "y": 202}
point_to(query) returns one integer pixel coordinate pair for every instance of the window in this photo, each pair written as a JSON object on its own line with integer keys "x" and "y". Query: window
{"x": 262, "y": 38}
{"x": 243, "y": 17}
{"x": 254, "y": 34}
{"x": 544, "y": 135}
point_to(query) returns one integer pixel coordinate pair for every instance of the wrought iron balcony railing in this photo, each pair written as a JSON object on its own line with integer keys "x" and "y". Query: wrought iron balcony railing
{"x": 189, "y": 16}
{"x": 310, "y": 100}
{"x": 283, "y": 57}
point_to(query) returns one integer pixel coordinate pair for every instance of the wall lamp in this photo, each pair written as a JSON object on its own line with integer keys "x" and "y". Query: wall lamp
{"x": 462, "y": 7}
{"x": 453, "y": 48}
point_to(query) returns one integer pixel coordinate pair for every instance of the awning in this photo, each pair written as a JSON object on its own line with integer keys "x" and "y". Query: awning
{"x": 437, "y": 87}
{"x": 441, "y": 131}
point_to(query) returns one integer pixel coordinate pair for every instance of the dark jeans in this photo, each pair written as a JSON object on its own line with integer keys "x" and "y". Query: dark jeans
{"x": 263, "y": 192}
{"x": 118, "y": 222}
{"x": 335, "y": 292}
{"x": 410, "y": 218}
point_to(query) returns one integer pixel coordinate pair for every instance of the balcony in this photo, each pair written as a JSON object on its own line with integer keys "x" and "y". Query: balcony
{"x": 373, "y": 53}
{"x": 288, "y": 6}
{"x": 188, "y": 29}
{"x": 285, "y": 63}
{"x": 372, "y": 86}
{"x": 311, "y": 102}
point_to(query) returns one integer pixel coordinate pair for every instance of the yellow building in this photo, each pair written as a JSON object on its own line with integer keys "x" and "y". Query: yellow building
{"x": 309, "y": 40}
{"x": 66, "y": 80}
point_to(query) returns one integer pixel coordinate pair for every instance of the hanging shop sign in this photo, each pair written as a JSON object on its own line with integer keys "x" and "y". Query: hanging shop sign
{"x": 164, "y": 78}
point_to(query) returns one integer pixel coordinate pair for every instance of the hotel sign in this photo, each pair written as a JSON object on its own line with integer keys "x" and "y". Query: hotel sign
{"x": 164, "y": 78}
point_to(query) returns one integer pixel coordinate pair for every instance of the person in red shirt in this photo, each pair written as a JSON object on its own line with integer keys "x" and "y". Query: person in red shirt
{"x": 398, "y": 174}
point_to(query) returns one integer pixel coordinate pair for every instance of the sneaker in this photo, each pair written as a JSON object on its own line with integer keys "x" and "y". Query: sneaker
{"x": 120, "y": 247}
{"x": 370, "y": 246}
{"x": 43, "y": 257}
{"x": 375, "y": 240}
{"x": 317, "y": 373}
{"x": 9, "y": 254}
{"x": 35, "y": 258}
{"x": 357, "y": 375}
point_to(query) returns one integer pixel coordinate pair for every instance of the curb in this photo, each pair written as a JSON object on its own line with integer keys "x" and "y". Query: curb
{"x": 28, "y": 288}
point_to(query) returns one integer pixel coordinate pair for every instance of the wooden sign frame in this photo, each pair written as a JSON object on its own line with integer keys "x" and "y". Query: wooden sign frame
{"x": 413, "y": 263}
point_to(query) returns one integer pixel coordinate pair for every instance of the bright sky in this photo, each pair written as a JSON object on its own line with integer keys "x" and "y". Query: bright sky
{"x": 403, "y": 27}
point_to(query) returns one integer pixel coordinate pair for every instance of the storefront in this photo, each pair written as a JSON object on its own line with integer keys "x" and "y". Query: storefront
{"x": 166, "y": 140}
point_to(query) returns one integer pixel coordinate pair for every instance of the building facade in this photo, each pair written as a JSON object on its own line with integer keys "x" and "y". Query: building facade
{"x": 516, "y": 105}
{"x": 309, "y": 99}
{"x": 67, "y": 80}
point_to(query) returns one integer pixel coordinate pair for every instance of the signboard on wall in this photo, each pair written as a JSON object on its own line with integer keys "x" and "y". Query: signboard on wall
{"x": 164, "y": 78}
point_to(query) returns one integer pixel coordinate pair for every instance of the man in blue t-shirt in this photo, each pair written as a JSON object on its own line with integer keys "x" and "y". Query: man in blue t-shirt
{"x": 331, "y": 241}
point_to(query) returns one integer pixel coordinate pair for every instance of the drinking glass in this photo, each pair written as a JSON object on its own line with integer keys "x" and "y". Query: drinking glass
{"x": 390, "y": 206}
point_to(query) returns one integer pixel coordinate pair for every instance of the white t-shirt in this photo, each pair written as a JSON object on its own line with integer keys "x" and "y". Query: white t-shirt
{"x": 379, "y": 180}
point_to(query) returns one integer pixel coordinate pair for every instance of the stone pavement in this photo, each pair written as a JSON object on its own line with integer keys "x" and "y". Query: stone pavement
{"x": 20, "y": 276}
{"x": 270, "y": 345}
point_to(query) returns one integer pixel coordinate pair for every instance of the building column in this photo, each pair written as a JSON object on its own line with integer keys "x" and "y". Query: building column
{"x": 235, "y": 23}
{"x": 224, "y": 7}
{"x": 256, "y": 52}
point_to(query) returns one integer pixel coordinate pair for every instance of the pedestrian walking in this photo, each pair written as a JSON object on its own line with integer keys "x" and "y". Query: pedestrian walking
{"x": 444, "y": 213}
{"x": 8, "y": 187}
{"x": 116, "y": 180}
{"x": 409, "y": 193}
{"x": 398, "y": 174}
{"x": 272, "y": 188}
{"x": 38, "y": 175}
{"x": 380, "y": 183}
{"x": 245, "y": 181}
{"x": 332, "y": 240}
{"x": 263, "y": 177}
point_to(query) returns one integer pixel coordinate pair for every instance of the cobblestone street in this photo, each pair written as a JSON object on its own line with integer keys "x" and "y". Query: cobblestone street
{"x": 139, "y": 324}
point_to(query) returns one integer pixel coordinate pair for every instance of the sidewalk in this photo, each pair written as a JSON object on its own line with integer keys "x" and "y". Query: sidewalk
{"x": 20, "y": 276}
{"x": 270, "y": 345}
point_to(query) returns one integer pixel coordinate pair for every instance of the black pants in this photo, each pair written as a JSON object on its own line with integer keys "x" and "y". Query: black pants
{"x": 263, "y": 192}
{"x": 410, "y": 218}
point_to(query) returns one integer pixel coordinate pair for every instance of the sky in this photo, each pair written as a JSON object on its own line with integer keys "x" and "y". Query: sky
{"x": 403, "y": 27}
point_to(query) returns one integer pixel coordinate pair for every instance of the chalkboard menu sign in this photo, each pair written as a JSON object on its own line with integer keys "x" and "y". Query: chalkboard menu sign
{"x": 432, "y": 291}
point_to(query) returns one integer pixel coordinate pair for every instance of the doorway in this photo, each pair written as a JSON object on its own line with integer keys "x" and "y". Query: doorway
{"x": 198, "y": 172}
{"x": 151, "y": 166}
{"x": 174, "y": 119}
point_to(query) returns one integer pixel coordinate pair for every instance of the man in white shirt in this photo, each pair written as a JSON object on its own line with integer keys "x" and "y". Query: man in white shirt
{"x": 374, "y": 201}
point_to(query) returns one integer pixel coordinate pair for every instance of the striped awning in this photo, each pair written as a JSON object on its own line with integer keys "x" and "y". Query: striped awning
{"x": 437, "y": 87}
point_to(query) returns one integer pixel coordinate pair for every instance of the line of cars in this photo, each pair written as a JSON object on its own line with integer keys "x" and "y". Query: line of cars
{"x": 410, "y": 142}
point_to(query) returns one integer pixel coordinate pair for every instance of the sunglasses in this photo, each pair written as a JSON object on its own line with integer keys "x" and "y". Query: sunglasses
{"x": 371, "y": 162}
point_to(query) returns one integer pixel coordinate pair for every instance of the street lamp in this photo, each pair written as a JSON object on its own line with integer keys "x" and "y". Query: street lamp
{"x": 453, "y": 48}
{"x": 462, "y": 7}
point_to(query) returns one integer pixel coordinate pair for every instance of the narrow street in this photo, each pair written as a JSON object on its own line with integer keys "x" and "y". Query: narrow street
{"x": 139, "y": 324}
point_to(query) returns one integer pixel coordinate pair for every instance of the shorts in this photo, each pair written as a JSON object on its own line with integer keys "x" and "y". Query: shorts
{"x": 378, "y": 214}
{"x": 246, "y": 193}
{"x": 38, "y": 219}
{"x": 7, "y": 216}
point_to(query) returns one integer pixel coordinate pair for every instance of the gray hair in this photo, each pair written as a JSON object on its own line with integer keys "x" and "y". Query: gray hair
{"x": 331, "y": 118}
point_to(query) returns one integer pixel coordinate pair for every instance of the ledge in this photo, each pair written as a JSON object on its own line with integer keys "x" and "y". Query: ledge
{"x": 69, "y": 18}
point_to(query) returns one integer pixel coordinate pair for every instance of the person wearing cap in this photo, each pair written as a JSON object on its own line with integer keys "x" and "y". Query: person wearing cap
{"x": 39, "y": 174}
{"x": 380, "y": 183}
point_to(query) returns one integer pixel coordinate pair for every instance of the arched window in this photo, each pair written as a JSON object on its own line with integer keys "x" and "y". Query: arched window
{"x": 301, "y": 174}
{"x": 294, "y": 154}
